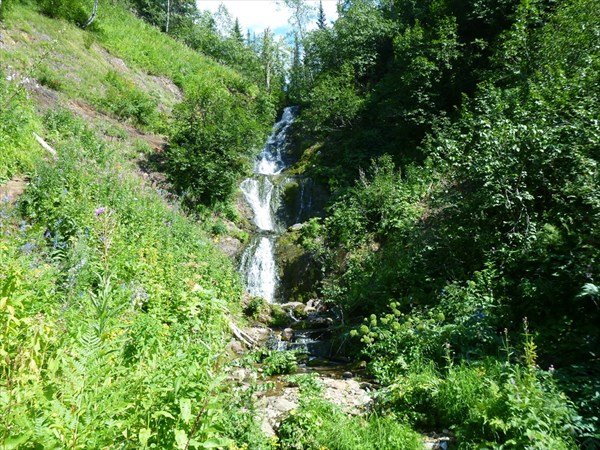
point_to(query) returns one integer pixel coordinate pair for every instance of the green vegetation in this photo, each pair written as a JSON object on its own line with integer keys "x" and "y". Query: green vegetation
{"x": 114, "y": 306}
{"x": 460, "y": 144}
{"x": 276, "y": 363}
{"x": 318, "y": 424}
{"x": 17, "y": 123}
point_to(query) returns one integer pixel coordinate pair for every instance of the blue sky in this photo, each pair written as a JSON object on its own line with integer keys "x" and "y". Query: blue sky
{"x": 257, "y": 15}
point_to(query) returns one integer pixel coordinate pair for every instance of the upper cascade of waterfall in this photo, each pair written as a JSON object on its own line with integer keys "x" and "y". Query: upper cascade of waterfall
{"x": 270, "y": 160}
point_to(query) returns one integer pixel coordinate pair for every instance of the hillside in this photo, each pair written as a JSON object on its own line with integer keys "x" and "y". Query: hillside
{"x": 115, "y": 305}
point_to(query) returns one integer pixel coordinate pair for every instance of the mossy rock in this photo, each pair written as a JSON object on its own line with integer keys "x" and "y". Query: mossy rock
{"x": 279, "y": 318}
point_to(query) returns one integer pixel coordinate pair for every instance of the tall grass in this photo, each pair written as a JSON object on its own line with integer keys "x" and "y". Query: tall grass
{"x": 114, "y": 310}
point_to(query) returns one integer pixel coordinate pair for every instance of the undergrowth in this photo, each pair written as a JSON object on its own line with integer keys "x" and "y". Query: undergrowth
{"x": 114, "y": 310}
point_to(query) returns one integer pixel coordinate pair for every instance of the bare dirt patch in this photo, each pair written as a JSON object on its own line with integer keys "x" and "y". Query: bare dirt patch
{"x": 11, "y": 191}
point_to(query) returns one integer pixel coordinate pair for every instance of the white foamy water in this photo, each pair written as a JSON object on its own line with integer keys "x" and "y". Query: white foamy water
{"x": 258, "y": 264}
{"x": 258, "y": 192}
{"x": 258, "y": 261}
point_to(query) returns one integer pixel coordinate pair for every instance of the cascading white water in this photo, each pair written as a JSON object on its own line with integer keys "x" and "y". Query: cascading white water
{"x": 258, "y": 193}
{"x": 258, "y": 262}
{"x": 259, "y": 267}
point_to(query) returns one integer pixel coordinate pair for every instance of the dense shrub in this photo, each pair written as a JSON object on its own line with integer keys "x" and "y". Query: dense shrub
{"x": 212, "y": 145}
{"x": 77, "y": 11}
{"x": 17, "y": 123}
{"x": 317, "y": 424}
{"x": 115, "y": 307}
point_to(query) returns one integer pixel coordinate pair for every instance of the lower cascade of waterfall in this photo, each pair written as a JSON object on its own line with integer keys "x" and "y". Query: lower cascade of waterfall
{"x": 258, "y": 264}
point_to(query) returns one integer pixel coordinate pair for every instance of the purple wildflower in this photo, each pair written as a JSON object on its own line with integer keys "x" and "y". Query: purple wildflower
{"x": 100, "y": 210}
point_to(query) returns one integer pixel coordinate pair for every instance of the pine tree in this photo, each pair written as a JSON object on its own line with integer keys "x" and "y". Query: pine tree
{"x": 321, "y": 19}
{"x": 237, "y": 32}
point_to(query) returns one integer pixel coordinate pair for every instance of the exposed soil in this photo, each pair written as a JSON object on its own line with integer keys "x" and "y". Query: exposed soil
{"x": 11, "y": 191}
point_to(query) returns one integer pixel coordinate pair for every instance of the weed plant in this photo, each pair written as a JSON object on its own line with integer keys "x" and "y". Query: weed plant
{"x": 114, "y": 311}
{"x": 17, "y": 123}
{"x": 321, "y": 425}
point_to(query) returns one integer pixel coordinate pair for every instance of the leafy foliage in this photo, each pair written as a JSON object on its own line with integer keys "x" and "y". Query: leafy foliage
{"x": 101, "y": 328}
{"x": 317, "y": 424}
{"x": 212, "y": 145}
{"x": 490, "y": 218}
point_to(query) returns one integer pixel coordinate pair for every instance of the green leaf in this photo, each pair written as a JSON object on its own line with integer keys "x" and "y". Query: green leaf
{"x": 181, "y": 439}
{"x": 185, "y": 405}
{"x": 157, "y": 414}
{"x": 144, "y": 436}
{"x": 15, "y": 441}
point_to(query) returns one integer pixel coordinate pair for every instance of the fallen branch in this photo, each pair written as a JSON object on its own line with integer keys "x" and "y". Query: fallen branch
{"x": 242, "y": 336}
{"x": 44, "y": 145}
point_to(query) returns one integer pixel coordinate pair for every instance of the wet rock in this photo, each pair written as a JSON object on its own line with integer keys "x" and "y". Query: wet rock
{"x": 316, "y": 304}
{"x": 279, "y": 317}
{"x": 291, "y": 305}
{"x": 347, "y": 375}
{"x": 287, "y": 335}
{"x": 316, "y": 362}
{"x": 313, "y": 323}
{"x": 309, "y": 309}
{"x": 236, "y": 347}
{"x": 229, "y": 245}
{"x": 259, "y": 334}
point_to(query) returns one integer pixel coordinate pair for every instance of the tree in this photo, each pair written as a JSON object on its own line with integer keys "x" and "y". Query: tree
{"x": 93, "y": 15}
{"x": 321, "y": 19}
{"x": 168, "y": 16}
{"x": 237, "y": 32}
{"x": 301, "y": 15}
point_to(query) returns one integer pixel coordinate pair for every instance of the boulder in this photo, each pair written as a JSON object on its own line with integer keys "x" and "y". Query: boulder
{"x": 287, "y": 335}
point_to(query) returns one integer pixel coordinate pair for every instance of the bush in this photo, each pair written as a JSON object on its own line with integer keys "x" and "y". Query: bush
{"x": 115, "y": 307}
{"x": 211, "y": 146}
{"x": 512, "y": 404}
{"x": 77, "y": 11}
{"x": 320, "y": 425}
{"x": 278, "y": 363}
{"x": 17, "y": 122}
{"x": 126, "y": 101}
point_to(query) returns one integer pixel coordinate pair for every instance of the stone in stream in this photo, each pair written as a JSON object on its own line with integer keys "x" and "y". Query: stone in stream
{"x": 347, "y": 394}
{"x": 287, "y": 335}
{"x": 347, "y": 375}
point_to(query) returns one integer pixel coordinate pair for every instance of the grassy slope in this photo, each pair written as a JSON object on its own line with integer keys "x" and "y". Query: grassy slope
{"x": 114, "y": 305}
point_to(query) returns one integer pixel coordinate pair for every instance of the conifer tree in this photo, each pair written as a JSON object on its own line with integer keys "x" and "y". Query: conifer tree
{"x": 321, "y": 19}
{"x": 237, "y": 31}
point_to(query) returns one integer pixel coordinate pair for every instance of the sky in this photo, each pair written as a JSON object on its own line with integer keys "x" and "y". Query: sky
{"x": 257, "y": 15}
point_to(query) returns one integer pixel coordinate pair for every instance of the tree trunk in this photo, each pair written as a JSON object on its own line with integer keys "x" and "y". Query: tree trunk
{"x": 168, "y": 16}
{"x": 268, "y": 76}
{"x": 93, "y": 16}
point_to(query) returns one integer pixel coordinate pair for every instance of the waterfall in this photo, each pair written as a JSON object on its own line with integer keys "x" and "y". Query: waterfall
{"x": 258, "y": 261}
